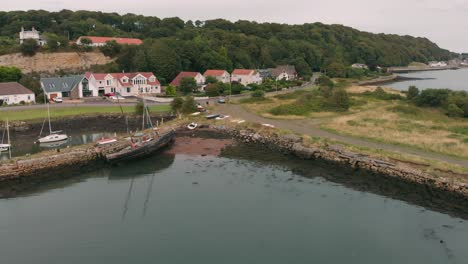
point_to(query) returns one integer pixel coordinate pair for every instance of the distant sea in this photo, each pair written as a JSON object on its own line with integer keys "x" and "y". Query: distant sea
{"x": 449, "y": 79}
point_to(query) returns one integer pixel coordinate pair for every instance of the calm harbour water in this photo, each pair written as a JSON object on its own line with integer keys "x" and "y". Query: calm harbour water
{"x": 450, "y": 79}
{"x": 193, "y": 209}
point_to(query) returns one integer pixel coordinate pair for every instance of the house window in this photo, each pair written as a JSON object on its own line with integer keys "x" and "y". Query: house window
{"x": 128, "y": 90}
{"x": 29, "y": 97}
{"x": 112, "y": 90}
{"x": 109, "y": 82}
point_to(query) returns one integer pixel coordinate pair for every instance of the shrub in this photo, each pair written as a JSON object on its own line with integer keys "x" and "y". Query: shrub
{"x": 212, "y": 90}
{"x": 413, "y": 92}
{"x": 325, "y": 81}
{"x": 339, "y": 100}
{"x": 189, "y": 105}
{"x": 258, "y": 94}
{"x": 29, "y": 47}
{"x": 454, "y": 111}
{"x": 176, "y": 105}
{"x": 433, "y": 97}
{"x": 188, "y": 85}
{"x": 171, "y": 90}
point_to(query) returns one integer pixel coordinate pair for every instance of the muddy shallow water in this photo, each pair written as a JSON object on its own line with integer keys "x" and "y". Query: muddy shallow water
{"x": 246, "y": 205}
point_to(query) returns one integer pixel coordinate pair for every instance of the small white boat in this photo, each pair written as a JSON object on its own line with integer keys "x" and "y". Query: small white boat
{"x": 54, "y": 137}
{"x": 240, "y": 121}
{"x": 268, "y": 125}
{"x": 196, "y": 114}
{"x": 105, "y": 141}
{"x": 4, "y": 147}
{"x": 54, "y": 144}
{"x": 222, "y": 117}
{"x": 192, "y": 126}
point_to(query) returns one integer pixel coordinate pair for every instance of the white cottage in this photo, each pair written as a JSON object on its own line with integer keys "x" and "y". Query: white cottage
{"x": 246, "y": 77}
{"x": 14, "y": 93}
{"x": 32, "y": 34}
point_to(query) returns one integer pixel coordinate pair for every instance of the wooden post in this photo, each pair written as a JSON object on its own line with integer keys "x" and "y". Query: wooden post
{"x": 8, "y": 137}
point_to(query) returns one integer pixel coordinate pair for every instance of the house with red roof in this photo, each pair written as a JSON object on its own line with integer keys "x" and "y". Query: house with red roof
{"x": 125, "y": 84}
{"x": 102, "y": 41}
{"x": 220, "y": 75}
{"x": 198, "y": 77}
{"x": 246, "y": 76}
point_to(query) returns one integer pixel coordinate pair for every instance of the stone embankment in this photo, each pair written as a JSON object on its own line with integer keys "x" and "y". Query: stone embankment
{"x": 52, "y": 62}
{"x": 295, "y": 145}
{"x": 52, "y": 163}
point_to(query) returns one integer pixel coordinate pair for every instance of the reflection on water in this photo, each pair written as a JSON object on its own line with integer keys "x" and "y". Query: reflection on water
{"x": 25, "y": 144}
{"x": 174, "y": 208}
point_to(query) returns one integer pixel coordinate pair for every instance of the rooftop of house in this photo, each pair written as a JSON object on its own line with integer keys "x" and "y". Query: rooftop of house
{"x": 129, "y": 75}
{"x": 123, "y": 41}
{"x": 176, "y": 81}
{"x": 13, "y": 88}
{"x": 215, "y": 73}
{"x": 243, "y": 72}
{"x": 61, "y": 84}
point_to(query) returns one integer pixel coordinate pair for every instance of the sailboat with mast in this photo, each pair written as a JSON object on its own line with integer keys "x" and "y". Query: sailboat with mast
{"x": 54, "y": 136}
{"x": 4, "y": 147}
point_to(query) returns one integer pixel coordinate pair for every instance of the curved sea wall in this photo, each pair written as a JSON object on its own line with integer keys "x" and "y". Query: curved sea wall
{"x": 295, "y": 145}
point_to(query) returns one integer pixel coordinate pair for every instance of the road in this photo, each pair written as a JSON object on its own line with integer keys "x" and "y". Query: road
{"x": 312, "y": 128}
{"x": 106, "y": 103}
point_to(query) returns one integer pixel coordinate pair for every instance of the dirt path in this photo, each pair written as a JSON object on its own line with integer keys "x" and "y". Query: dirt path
{"x": 311, "y": 128}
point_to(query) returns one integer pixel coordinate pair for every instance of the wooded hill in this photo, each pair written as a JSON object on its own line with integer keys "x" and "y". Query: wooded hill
{"x": 171, "y": 44}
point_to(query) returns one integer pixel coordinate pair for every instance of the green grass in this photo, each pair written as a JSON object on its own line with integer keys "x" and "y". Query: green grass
{"x": 40, "y": 113}
{"x": 252, "y": 100}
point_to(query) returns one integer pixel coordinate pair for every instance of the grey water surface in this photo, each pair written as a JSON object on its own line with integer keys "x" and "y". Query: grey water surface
{"x": 193, "y": 209}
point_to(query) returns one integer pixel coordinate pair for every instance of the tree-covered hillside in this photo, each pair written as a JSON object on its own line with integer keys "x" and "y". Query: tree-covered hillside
{"x": 172, "y": 44}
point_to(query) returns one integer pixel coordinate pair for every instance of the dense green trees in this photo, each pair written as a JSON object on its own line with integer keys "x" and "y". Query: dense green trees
{"x": 29, "y": 47}
{"x": 172, "y": 45}
{"x": 10, "y": 74}
{"x": 188, "y": 85}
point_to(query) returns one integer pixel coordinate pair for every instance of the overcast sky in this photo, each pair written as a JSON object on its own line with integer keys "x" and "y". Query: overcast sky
{"x": 443, "y": 21}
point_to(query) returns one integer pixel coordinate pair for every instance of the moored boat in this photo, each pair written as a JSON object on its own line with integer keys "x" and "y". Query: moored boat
{"x": 212, "y": 116}
{"x": 105, "y": 141}
{"x": 192, "y": 126}
{"x": 142, "y": 149}
{"x": 4, "y": 147}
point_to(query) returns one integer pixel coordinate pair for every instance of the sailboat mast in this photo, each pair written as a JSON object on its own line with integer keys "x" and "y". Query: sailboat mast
{"x": 143, "y": 124}
{"x": 8, "y": 138}
{"x": 48, "y": 114}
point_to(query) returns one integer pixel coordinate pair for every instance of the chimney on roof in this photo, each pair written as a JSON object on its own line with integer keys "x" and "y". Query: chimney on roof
{"x": 33, "y": 29}
{"x": 22, "y": 29}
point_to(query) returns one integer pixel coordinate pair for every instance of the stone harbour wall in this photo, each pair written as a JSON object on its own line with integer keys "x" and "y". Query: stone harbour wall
{"x": 293, "y": 144}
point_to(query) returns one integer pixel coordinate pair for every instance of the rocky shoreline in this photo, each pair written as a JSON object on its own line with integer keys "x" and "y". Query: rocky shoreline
{"x": 295, "y": 145}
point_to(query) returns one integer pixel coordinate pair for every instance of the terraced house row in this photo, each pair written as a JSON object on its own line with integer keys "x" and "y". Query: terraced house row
{"x": 98, "y": 84}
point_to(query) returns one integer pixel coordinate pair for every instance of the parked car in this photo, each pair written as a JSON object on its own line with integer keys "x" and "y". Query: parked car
{"x": 109, "y": 94}
{"x": 58, "y": 100}
{"x": 221, "y": 101}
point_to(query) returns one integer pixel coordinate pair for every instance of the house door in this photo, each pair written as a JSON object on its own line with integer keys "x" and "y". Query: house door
{"x": 101, "y": 91}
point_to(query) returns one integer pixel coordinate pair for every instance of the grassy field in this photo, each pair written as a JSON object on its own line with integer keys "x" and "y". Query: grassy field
{"x": 383, "y": 120}
{"x": 40, "y": 113}
{"x": 399, "y": 122}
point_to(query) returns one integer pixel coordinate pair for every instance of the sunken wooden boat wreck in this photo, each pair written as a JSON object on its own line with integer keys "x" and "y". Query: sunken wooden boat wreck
{"x": 143, "y": 149}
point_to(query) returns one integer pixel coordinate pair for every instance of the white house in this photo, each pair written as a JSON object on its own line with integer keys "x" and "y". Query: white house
{"x": 15, "y": 93}
{"x": 284, "y": 72}
{"x": 220, "y": 75}
{"x": 359, "y": 66}
{"x": 246, "y": 77}
{"x": 125, "y": 84}
{"x": 435, "y": 64}
{"x": 33, "y": 34}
